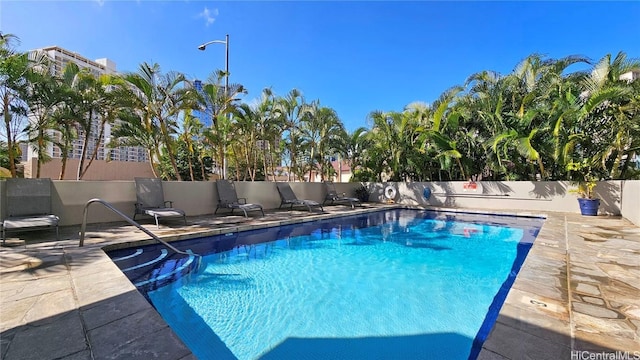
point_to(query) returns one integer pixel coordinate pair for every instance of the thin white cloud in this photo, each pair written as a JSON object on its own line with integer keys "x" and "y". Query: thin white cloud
{"x": 208, "y": 15}
{"x": 100, "y": 2}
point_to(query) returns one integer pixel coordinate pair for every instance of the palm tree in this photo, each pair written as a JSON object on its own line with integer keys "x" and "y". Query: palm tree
{"x": 158, "y": 99}
{"x": 247, "y": 131}
{"x": 218, "y": 102}
{"x": 15, "y": 69}
{"x": 439, "y": 130}
{"x": 43, "y": 96}
{"x": 191, "y": 132}
{"x": 269, "y": 128}
{"x": 610, "y": 115}
{"x": 353, "y": 147}
{"x": 393, "y": 135}
{"x": 92, "y": 102}
{"x": 12, "y": 69}
{"x": 482, "y": 111}
{"x": 322, "y": 131}
{"x": 130, "y": 130}
{"x": 291, "y": 109}
{"x": 66, "y": 127}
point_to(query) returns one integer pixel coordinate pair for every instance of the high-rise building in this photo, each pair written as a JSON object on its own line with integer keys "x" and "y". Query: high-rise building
{"x": 203, "y": 115}
{"x": 631, "y": 75}
{"x": 59, "y": 59}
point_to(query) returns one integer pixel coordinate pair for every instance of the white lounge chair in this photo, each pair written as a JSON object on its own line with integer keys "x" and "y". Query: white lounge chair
{"x": 150, "y": 201}
{"x": 29, "y": 206}
{"x": 288, "y": 197}
{"x": 228, "y": 199}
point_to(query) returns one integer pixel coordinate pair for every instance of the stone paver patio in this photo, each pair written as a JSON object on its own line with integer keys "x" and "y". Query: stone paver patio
{"x": 578, "y": 292}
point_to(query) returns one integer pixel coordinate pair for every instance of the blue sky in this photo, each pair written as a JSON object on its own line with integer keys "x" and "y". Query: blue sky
{"x": 355, "y": 57}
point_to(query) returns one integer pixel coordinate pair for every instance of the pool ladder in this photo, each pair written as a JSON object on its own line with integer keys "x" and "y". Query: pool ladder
{"x": 83, "y": 228}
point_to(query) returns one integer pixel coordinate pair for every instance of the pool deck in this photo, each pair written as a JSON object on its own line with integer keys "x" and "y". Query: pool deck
{"x": 577, "y": 294}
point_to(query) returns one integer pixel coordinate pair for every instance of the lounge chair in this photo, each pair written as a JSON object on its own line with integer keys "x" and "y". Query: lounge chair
{"x": 228, "y": 199}
{"x": 28, "y": 206}
{"x": 333, "y": 196}
{"x": 288, "y": 197}
{"x": 150, "y": 201}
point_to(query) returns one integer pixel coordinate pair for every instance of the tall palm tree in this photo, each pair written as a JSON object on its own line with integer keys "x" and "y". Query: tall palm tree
{"x": 291, "y": 109}
{"x": 66, "y": 128}
{"x": 610, "y": 115}
{"x": 438, "y": 126}
{"x": 269, "y": 129}
{"x": 322, "y": 132}
{"x": 353, "y": 147}
{"x": 15, "y": 69}
{"x": 158, "y": 98}
{"x": 44, "y": 95}
{"x": 130, "y": 130}
{"x": 92, "y": 102}
{"x": 244, "y": 141}
{"x": 536, "y": 83}
{"x": 218, "y": 103}
{"x": 191, "y": 132}
{"x": 393, "y": 135}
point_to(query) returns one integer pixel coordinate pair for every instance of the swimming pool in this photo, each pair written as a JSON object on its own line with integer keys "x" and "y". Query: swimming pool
{"x": 404, "y": 284}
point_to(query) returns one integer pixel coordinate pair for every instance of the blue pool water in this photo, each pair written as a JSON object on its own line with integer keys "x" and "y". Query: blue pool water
{"x": 400, "y": 284}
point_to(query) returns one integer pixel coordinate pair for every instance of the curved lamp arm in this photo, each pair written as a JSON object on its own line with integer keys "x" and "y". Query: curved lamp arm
{"x": 204, "y": 46}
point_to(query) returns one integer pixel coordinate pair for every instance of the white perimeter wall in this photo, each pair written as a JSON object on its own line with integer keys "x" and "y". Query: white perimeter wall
{"x": 195, "y": 198}
{"x": 631, "y": 201}
{"x": 200, "y": 198}
{"x": 517, "y": 195}
{"x": 99, "y": 169}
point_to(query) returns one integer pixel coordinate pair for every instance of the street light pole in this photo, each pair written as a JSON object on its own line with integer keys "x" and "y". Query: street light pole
{"x": 226, "y": 92}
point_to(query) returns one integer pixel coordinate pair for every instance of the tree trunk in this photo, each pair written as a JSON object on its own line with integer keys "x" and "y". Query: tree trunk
{"x": 152, "y": 164}
{"x": 264, "y": 160}
{"x": 461, "y": 169}
{"x": 85, "y": 141}
{"x": 247, "y": 158}
{"x": 10, "y": 143}
{"x": 293, "y": 161}
{"x": 254, "y": 168}
{"x": 40, "y": 148}
{"x": 204, "y": 177}
{"x": 543, "y": 176}
{"x": 221, "y": 157}
{"x": 156, "y": 152}
{"x": 167, "y": 143}
{"x": 63, "y": 169}
{"x": 95, "y": 151}
{"x": 191, "y": 169}
{"x": 271, "y": 157}
{"x": 237, "y": 161}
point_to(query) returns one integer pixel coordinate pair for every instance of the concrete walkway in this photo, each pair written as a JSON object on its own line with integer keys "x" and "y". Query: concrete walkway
{"x": 578, "y": 290}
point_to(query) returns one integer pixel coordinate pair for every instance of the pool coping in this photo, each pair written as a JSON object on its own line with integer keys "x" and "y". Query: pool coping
{"x": 83, "y": 289}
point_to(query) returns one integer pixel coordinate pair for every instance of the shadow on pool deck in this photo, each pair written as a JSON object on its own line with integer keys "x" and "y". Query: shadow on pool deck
{"x": 577, "y": 291}
{"x": 123, "y": 326}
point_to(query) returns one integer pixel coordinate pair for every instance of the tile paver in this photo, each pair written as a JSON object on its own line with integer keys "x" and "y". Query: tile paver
{"x": 577, "y": 290}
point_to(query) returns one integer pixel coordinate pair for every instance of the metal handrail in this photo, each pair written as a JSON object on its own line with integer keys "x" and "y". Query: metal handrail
{"x": 127, "y": 219}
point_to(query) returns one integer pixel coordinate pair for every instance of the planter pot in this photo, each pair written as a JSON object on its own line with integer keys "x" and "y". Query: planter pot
{"x": 589, "y": 207}
{"x": 426, "y": 193}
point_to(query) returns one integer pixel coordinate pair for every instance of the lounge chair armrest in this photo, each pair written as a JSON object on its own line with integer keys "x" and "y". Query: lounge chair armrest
{"x": 168, "y": 202}
{"x": 242, "y": 200}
